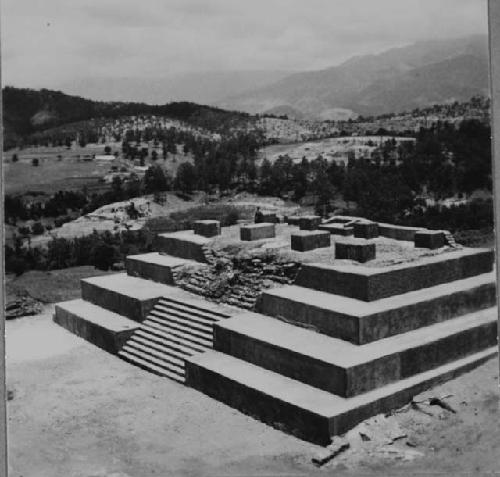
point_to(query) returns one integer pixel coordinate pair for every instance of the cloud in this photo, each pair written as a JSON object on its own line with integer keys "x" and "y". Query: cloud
{"x": 46, "y": 42}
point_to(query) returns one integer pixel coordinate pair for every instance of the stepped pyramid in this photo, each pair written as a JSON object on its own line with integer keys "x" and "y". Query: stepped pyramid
{"x": 315, "y": 358}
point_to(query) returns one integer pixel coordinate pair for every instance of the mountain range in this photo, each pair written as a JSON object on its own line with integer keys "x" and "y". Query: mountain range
{"x": 399, "y": 79}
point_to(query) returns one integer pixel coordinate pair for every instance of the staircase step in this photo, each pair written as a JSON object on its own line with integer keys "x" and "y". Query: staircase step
{"x": 148, "y": 366}
{"x": 171, "y": 316}
{"x": 101, "y": 327}
{"x": 361, "y": 322}
{"x": 160, "y": 362}
{"x": 373, "y": 283}
{"x": 128, "y": 296}
{"x": 302, "y": 410}
{"x": 154, "y": 353}
{"x": 173, "y": 341}
{"x": 188, "y": 330}
{"x": 346, "y": 369}
{"x": 196, "y": 340}
{"x": 147, "y": 341}
{"x": 156, "y": 267}
{"x": 192, "y": 289}
{"x": 210, "y": 311}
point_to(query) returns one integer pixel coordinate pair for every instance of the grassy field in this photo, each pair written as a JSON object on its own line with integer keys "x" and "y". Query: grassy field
{"x": 330, "y": 148}
{"x": 49, "y": 287}
{"x": 64, "y": 169}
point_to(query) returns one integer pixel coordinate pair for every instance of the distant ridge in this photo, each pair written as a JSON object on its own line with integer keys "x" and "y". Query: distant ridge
{"x": 26, "y": 111}
{"x": 418, "y": 75}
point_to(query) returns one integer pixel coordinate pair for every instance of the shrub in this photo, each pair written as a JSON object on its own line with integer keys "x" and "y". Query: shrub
{"x": 103, "y": 256}
{"x": 232, "y": 217}
{"x": 37, "y": 228}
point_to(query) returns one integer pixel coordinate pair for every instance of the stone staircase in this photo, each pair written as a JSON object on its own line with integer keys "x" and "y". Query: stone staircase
{"x": 142, "y": 317}
{"x": 450, "y": 239}
{"x": 171, "y": 332}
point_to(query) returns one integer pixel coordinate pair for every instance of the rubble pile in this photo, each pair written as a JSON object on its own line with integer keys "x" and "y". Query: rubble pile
{"x": 237, "y": 281}
{"x": 22, "y": 306}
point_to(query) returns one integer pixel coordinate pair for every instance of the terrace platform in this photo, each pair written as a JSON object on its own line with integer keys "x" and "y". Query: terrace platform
{"x": 344, "y": 342}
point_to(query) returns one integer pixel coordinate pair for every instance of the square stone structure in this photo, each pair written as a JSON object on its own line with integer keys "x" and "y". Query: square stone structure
{"x": 267, "y": 218}
{"x": 292, "y": 219}
{"x": 359, "y": 250}
{"x": 309, "y": 222}
{"x": 398, "y": 232}
{"x": 257, "y": 231}
{"x": 306, "y": 240}
{"x": 207, "y": 228}
{"x": 366, "y": 229}
{"x": 430, "y": 239}
{"x": 337, "y": 229}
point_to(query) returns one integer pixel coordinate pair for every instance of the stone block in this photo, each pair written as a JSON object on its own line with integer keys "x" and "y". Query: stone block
{"x": 430, "y": 239}
{"x": 337, "y": 229}
{"x": 292, "y": 219}
{"x": 398, "y": 232}
{"x": 267, "y": 218}
{"x": 207, "y": 228}
{"x": 343, "y": 219}
{"x": 359, "y": 250}
{"x": 183, "y": 244}
{"x": 366, "y": 229}
{"x": 306, "y": 240}
{"x": 309, "y": 222}
{"x": 101, "y": 327}
{"x": 257, "y": 231}
{"x": 155, "y": 266}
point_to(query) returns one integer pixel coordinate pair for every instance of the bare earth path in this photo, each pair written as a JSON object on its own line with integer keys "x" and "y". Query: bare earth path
{"x": 80, "y": 412}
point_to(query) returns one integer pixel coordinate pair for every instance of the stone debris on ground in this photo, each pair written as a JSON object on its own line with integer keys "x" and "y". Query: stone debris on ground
{"x": 22, "y": 306}
{"x": 380, "y": 436}
{"x": 423, "y": 403}
{"x": 338, "y": 445}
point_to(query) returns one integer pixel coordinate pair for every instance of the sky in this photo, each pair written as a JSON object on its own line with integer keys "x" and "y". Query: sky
{"x": 47, "y": 42}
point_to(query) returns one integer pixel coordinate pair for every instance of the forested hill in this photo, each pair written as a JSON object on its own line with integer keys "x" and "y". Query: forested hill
{"x": 27, "y": 111}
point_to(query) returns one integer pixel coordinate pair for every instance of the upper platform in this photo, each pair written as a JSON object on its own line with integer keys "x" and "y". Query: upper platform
{"x": 373, "y": 283}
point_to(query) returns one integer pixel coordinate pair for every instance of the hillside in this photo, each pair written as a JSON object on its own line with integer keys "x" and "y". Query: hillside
{"x": 401, "y": 78}
{"x": 27, "y": 111}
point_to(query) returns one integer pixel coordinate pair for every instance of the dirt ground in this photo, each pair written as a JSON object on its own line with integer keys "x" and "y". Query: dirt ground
{"x": 77, "y": 411}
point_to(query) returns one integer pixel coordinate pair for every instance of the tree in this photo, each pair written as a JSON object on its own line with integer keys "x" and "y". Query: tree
{"x": 104, "y": 255}
{"x": 133, "y": 186}
{"x": 266, "y": 178}
{"x": 37, "y": 228}
{"x": 15, "y": 158}
{"x": 117, "y": 188}
{"x": 186, "y": 177}
{"x": 155, "y": 180}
